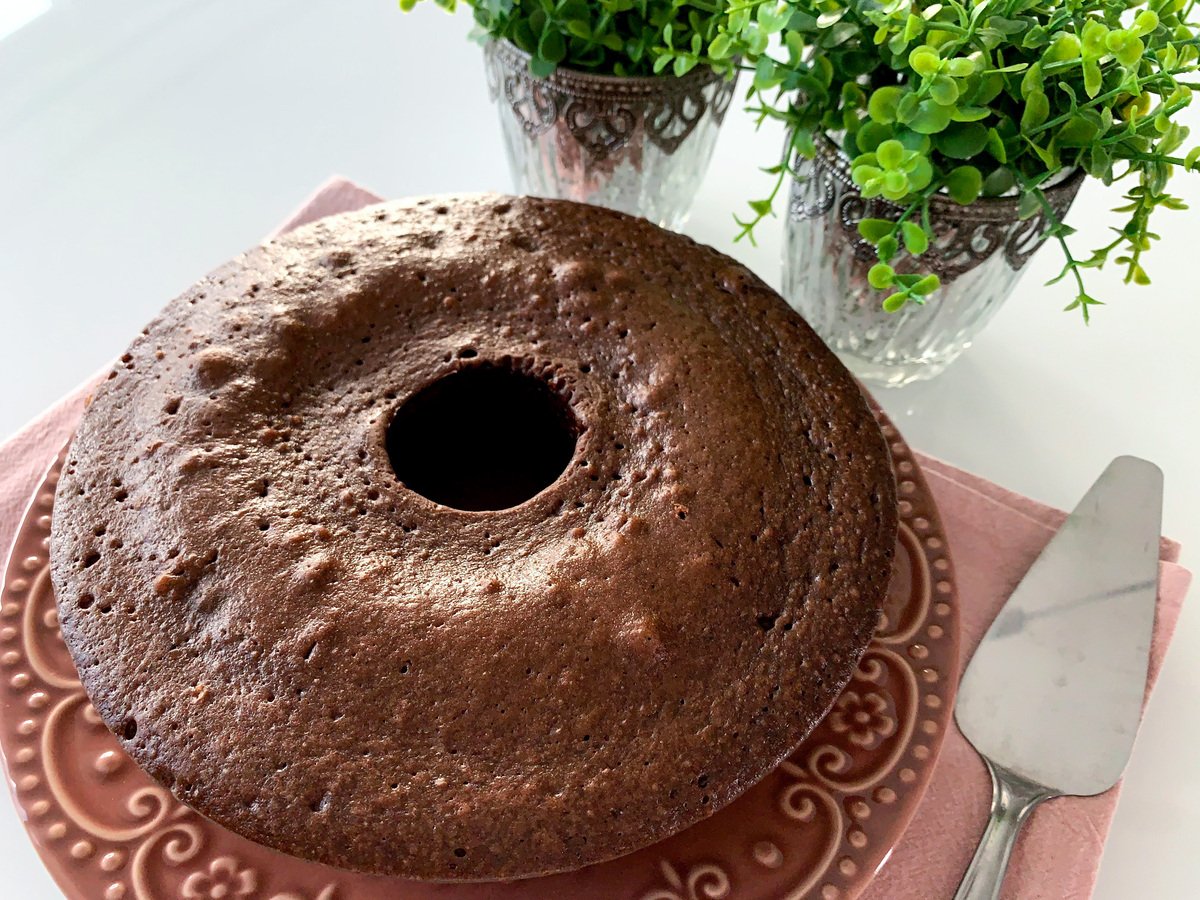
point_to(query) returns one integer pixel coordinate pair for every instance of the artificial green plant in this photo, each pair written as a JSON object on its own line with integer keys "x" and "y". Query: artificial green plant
{"x": 976, "y": 98}
{"x": 606, "y": 37}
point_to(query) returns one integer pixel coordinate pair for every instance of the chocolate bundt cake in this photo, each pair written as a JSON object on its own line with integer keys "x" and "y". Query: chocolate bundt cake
{"x": 471, "y": 538}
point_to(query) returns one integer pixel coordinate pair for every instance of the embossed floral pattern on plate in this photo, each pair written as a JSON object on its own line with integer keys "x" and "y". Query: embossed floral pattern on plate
{"x": 818, "y": 827}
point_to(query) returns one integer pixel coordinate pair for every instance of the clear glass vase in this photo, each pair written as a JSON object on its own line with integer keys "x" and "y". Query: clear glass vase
{"x": 639, "y": 145}
{"x": 978, "y": 252}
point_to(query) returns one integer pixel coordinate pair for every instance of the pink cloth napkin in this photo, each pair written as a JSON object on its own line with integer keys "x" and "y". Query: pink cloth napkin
{"x": 994, "y": 536}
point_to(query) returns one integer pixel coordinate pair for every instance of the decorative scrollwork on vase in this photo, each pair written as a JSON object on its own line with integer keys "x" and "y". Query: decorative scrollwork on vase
{"x": 601, "y": 131}
{"x": 672, "y": 118}
{"x": 636, "y": 144}
{"x": 604, "y": 112}
{"x": 813, "y": 194}
{"x": 963, "y": 236}
{"x": 531, "y": 102}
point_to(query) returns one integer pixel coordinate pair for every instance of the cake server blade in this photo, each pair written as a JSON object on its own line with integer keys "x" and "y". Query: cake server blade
{"x": 1053, "y": 696}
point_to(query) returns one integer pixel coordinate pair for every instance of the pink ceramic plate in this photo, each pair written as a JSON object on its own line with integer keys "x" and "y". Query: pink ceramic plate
{"x": 819, "y": 826}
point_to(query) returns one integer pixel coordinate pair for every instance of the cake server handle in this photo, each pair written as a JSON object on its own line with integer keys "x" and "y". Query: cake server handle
{"x": 1013, "y": 799}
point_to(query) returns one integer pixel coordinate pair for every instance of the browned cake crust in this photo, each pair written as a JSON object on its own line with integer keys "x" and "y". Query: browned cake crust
{"x": 315, "y": 655}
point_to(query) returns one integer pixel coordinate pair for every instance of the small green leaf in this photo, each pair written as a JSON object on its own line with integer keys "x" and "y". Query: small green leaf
{"x": 930, "y": 118}
{"x": 1005, "y": 70}
{"x": 908, "y": 107}
{"x": 881, "y": 276}
{"x": 864, "y": 174}
{"x": 825, "y": 20}
{"x": 1131, "y": 52}
{"x": 683, "y": 65}
{"x": 960, "y": 67}
{"x": 853, "y": 95}
{"x": 872, "y": 187}
{"x": 944, "y": 90}
{"x": 1099, "y": 164}
{"x": 1078, "y": 131}
{"x": 962, "y": 140}
{"x": 886, "y": 248}
{"x": 995, "y": 146}
{"x": 1065, "y": 47}
{"x": 895, "y": 302}
{"x": 1116, "y": 39}
{"x": 895, "y": 185}
{"x": 890, "y": 153}
{"x": 913, "y": 26}
{"x": 970, "y": 113}
{"x": 883, "y": 103}
{"x": 772, "y": 18}
{"x": 1000, "y": 181}
{"x": 1029, "y": 205}
{"x": 1146, "y": 22}
{"x": 1035, "y": 37}
{"x": 1083, "y": 303}
{"x": 1048, "y": 155}
{"x": 766, "y": 75}
{"x": 870, "y": 135}
{"x": 875, "y": 230}
{"x": 916, "y": 241}
{"x": 552, "y": 47}
{"x": 925, "y": 60}
{"x": 964, "y": 184}
{"x": 990, "y": 87}
{"x": 1006, "y": 26}
{"x": 1092, "y": 78}
{"x": 926, "y": 285}
{"x": 1032, "y": 80}
{"x": 913, "y": 141}
{"x": 761, "y": 207}
{"x": 921, "y": 174}
{"x": 1092, "y": 39}
{"x": 1037, "y": 110}
{"x": 541, "y": 68}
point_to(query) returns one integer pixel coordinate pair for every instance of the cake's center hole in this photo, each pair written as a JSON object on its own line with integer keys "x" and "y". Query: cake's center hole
{"x": 484, "y": 437}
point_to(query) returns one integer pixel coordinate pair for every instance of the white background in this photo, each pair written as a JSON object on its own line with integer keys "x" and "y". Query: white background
{"x": 143, "y": 143}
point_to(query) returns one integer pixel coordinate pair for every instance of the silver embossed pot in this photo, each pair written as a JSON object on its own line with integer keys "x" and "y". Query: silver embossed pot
{"x": 640, "y": 145}
{"x": 978, "y": 252}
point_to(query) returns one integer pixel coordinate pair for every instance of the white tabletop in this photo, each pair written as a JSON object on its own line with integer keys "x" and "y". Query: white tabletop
{"x": 142, "y": 143}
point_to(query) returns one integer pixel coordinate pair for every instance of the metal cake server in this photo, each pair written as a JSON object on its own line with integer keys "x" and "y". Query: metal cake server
{"x": 1052, "y": 698}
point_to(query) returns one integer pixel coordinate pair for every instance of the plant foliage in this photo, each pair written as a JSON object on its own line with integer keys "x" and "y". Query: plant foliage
{"x": 977, "y": 98}
{"x": 607, "y": 37}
